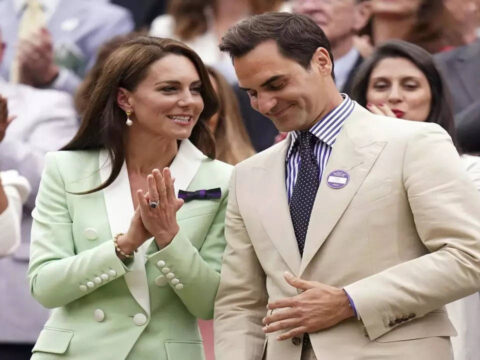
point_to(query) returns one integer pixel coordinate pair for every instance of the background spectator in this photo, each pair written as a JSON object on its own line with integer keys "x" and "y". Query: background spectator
{"x": 401, "y": 80}
{"x": 14, "y": 190}
{"x": 460, "y": 67}
{"x": 202, "y": 23}
{"x": 340, "y": 20}
{"x": 46, "y": 120}
{"x": 426, "y": 23}
{"x": 57, "y": 56}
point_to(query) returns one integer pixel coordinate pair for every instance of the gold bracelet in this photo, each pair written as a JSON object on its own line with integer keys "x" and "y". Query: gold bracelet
{"x": 128, "y": 256}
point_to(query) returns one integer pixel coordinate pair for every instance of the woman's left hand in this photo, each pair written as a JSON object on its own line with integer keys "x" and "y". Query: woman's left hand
{"x": 160, "y": 220}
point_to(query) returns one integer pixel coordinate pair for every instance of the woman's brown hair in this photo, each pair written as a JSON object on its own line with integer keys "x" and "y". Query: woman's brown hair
{"x": 103, "y": 124}
{"x": 232, "y": 141}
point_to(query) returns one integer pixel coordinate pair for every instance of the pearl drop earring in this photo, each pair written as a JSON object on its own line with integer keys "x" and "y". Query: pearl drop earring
{"x": 129, "y": 121}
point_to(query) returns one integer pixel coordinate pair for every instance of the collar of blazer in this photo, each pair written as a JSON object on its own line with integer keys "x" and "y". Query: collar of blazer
{"x": 354, "y": 152}
{"x": 119, "y": 205}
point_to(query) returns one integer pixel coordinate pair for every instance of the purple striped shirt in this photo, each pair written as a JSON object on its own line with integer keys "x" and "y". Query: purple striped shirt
{"x": 326, "y": 131}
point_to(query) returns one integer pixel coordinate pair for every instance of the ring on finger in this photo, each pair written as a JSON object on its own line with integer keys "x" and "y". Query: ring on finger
{"x": 153, "y": 204}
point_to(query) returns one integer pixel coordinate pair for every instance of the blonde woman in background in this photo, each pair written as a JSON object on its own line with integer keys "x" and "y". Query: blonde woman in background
{"x": 231, "y": 138}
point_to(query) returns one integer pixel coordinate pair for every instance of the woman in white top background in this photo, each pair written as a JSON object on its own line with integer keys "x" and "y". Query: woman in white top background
{"x": 14, "y": 190}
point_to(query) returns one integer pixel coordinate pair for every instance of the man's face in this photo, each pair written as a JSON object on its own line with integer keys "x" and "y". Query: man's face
{"x": 293, "y": 97}
{"x": 335, "y": 17}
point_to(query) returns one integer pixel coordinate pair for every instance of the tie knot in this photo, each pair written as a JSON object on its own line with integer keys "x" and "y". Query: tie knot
{"x": 305, "y": 139}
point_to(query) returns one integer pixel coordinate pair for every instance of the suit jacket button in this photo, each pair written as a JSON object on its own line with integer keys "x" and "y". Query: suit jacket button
{"x": 175, "y": 281}
{"x": 112, "y": 273}
{"x": 161, "y": 263}
{"x": 83, "y": 287}
{"x": 90, "y": 233}
{"x": 99, "y": 315}
{"x": 398, "y": 321}
{"x": 161, "y": 280}
{"x": 165, "y": 270}
{"x": 90, "y": 284}
{"x": 411, "y": 316}
{"x": 391, "y": 323}
{"x": 296, "y": 341}
{"x": 104, "y": 276}
{"x": 98, "y": 280}
{"x": 179, "y": 286}
{"x": 139, "y": 319}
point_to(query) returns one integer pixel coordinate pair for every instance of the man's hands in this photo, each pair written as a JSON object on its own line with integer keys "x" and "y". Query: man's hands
{"x": 36, "y": 60}
{"x": 317, "y": 307}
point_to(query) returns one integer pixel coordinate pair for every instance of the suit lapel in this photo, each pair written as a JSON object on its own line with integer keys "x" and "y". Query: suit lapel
{"x": 354, "y": 154}
{"x": 186, "y": 165}
{"x": 274, "y": 209}
{"x": 119, "y": 205}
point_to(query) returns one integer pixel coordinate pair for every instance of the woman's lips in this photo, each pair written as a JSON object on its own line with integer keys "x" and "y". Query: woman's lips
{"x": 398, "y": 113}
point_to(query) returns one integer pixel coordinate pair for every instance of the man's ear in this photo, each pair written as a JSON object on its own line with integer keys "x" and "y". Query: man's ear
{"x": 363, "y": 12}
{"x": 124, "y": 100}
{"x": 321, "y": 61}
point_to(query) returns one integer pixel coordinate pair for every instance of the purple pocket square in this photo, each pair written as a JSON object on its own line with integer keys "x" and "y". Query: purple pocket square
{"x": 187, "y": 196}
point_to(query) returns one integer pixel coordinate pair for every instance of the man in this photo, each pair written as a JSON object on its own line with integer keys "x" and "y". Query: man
{"x": 460, "y": 69}
{"x": 340, "y": 20}
{"x": 45, "y": 121}
{"x": 58, "y": 55}
{"x": 354, "y": 231}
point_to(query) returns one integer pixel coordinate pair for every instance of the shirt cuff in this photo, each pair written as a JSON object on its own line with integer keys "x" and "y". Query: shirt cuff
{"x": 352, "y": 305}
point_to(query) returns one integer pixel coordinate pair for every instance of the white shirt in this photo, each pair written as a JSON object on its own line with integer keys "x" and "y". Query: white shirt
{"x": 343, "y": 67}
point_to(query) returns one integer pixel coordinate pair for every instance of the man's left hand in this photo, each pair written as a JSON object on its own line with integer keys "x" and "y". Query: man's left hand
{"x": 317, "y": 307}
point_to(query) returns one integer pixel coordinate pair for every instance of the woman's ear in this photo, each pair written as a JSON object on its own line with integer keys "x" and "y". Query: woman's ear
{"x": 124, "y": 100}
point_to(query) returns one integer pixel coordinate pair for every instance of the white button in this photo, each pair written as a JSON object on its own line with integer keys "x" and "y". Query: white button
{"x": 161, "y": 263}
{"x": 83, "y": 287}
{"x": 179, "y": 286}
{"x": 170, "y": 276}
{"x": 104, "y": 277}
{"x": 90, "y": 284}
{"x": 99, "y": 315}
{"x": 165, "y": 270}
{"x": 90, "y": 233}
{"x": 175, "y": 281}
{"x": 161, "y": 280}
{"x": 139, "y": 319}
{"x": 112, "y": 273}
{"x": 97, "y": 280}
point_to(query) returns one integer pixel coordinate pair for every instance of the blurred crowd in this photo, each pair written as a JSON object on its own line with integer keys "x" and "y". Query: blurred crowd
{"x": 412, "y": 59}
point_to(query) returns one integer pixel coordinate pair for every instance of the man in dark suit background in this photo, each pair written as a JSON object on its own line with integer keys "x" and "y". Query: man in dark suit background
{"x": 460, "y": 69}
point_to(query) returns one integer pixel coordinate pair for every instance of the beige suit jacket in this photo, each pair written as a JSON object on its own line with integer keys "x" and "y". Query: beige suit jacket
{"x": 402, "y": 237}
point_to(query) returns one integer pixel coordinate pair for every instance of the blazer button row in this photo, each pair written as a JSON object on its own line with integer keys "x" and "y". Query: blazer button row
{"x": 139, "y": 319}
{"x": 162, "y": 280}
{"x": 97, "y": 280}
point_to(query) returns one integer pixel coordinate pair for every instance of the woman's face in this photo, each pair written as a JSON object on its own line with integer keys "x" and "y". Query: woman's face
{"x": 167, "y": 102}
{"x": 398, "y": 83}
{"x": 395, "y": 7}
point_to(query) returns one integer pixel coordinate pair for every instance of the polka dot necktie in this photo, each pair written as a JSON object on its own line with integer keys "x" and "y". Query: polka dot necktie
{"x": 305, "y": 189}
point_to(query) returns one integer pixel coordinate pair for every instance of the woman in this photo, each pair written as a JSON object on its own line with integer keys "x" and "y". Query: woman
{"x": 202, "y": 23}
{"x": 231, "y": 138}
{"x": 125, "y": 266}
{"x": 401, "y": 80}
{"x": 14, "y": 190}
{"x": 426, "y": 23}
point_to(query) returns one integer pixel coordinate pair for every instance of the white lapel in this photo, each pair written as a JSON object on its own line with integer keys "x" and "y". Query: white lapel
{"x": 120, "y": 211}
{"x": 185, "y": 165}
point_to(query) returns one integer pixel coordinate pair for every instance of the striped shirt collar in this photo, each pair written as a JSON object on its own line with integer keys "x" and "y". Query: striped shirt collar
{"x": 327, "y": 129}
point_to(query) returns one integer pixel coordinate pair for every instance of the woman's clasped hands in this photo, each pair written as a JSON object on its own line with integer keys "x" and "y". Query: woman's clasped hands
{"x": 155, "y": 215}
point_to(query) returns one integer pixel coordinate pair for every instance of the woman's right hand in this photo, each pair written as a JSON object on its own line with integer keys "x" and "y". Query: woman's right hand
{"x": 136, "y": 235}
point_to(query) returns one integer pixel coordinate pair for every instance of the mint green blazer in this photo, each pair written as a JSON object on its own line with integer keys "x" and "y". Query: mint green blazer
{"x": 102, "y": 308}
